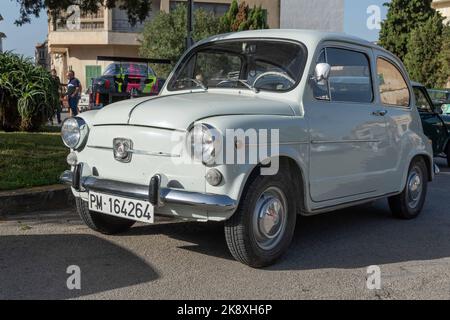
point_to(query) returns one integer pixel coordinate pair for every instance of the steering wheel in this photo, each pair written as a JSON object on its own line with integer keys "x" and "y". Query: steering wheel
{"x": 273, "y": 73}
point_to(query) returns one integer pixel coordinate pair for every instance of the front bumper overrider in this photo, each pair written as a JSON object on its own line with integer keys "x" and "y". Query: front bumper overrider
{"x": 158, "y": 196}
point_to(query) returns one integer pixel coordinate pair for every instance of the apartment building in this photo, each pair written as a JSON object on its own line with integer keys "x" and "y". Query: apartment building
{"x": 326, "y": 15}
{"x": 41, "y": 56}
{"x": 2, "y": 36}
{"x": 75, "y": 43}
{"x": 443, "y": 6}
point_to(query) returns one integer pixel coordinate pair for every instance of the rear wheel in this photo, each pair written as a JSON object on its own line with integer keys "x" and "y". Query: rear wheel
{"x": 262, "y": 228}
{"x": 410, "y": 202}
{"x": 101, "y": 222}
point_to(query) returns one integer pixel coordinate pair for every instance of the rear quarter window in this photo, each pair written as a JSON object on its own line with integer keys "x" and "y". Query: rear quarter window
{"x": 392, "y": 85}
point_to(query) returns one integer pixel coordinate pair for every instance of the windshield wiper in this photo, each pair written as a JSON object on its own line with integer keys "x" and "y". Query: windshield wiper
{"x": 199, "y": 83}
{"x": 244, "y": 82}
{"x": 249, "y": 86}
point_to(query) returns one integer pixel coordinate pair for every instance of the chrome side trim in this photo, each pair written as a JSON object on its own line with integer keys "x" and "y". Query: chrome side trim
{"x": 140, "y": 152}
{"x": 213, "y": 202}
{"x": 100, "y": 147}
{"x": 156, "y": 154}
{"x": 343, "y": 141}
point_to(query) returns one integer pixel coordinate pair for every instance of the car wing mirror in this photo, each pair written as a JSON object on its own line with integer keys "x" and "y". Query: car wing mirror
{"x": 322, "y": 73}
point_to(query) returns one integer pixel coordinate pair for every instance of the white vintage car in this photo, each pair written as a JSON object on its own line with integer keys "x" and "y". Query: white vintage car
{"x": 253, "y": 128}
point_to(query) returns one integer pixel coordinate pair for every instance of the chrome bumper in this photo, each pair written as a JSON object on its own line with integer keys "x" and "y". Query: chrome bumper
{"x": 153, "y": 193}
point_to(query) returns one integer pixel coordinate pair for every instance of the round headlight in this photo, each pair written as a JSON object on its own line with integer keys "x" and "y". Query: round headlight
{"x": 205, "y": 143}
{"x": 74, "y": 132}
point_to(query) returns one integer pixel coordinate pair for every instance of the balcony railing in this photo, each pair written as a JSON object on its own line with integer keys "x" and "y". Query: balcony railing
{"x": 122, "y": 25}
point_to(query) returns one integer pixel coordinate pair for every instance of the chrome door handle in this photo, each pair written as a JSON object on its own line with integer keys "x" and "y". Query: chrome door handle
{"x": 380, "y": 113}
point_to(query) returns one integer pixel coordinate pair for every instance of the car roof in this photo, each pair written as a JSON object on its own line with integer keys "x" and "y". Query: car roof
{"x": 308, "y": 37}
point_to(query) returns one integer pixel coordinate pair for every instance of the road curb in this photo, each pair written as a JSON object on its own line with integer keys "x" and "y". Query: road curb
{"x": 36, "y": 199}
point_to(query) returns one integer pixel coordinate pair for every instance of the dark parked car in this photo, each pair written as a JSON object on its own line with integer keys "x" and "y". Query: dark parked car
{"x": 435, "y": 124}
{"x": 441, "y": 98}
{"x": 126, "y": 78}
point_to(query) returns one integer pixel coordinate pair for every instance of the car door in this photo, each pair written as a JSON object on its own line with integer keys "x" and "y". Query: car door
{"x": 347, "y": 130}
{"x": 433, "y": 126}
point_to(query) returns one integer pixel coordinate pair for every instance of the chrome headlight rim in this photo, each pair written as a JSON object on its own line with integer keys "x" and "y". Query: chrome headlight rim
{"x": 81, "y": 129}
{"x": 211, "y": 143}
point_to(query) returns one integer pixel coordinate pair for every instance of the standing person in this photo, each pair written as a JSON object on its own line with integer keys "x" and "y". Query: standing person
{"x": 60, "y": 92}
{"x": 73, "y": 93}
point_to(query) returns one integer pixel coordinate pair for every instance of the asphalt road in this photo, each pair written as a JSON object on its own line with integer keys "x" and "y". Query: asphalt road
{"x": 174, "y": 260}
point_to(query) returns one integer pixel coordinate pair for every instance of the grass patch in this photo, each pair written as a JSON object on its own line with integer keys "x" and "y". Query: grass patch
{"x": 31, "y": 159}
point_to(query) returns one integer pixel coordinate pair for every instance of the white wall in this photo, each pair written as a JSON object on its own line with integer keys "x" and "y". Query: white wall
{"x": 327, "y": 15}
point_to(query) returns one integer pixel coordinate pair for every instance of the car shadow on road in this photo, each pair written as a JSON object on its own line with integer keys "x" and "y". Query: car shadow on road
{"x": 204, "y": 238}
{"x": 366, "y": 235}
{"x": 41, "y": 261}
{"x": 346, "y": 239}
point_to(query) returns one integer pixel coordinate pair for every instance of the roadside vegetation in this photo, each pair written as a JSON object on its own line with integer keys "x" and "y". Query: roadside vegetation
{"x": 28, "y": 94}
{"x": 30, "y": 159}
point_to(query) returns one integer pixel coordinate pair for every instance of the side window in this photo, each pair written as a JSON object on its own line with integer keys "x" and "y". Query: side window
{"x": 393, "y": 88}
{"x": 422, "y": 101}
{"x": 350, "y": 78}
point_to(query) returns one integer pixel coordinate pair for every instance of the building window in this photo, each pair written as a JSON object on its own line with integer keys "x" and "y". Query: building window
{"x": 217, "y": 9}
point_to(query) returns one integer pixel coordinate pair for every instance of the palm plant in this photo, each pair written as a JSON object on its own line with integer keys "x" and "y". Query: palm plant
{"x": 28, "y": 94}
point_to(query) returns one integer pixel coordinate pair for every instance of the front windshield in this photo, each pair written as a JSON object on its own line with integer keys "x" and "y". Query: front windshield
{"x": 270, "y": 65}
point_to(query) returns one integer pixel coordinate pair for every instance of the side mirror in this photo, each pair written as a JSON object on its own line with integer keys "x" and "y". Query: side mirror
{"x": 322, "y": 73}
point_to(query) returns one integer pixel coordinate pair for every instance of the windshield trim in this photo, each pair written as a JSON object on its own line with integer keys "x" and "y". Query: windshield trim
{"x": 194, "y": 50}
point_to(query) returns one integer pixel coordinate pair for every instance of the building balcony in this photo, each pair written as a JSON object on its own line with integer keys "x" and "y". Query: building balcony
{"x": 86, "y": 37}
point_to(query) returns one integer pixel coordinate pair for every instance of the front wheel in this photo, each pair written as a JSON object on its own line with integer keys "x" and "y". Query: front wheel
{"x": 410, "y": 202}
{"x": 101, "y": 222}
{"x": 261, "y": 229}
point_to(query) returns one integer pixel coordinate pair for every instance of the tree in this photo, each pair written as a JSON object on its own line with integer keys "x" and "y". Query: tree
{"x": 402, "y": 18}
{"x": 165, "y": 35}
{"x": 137, "y": 10}
{"x": 240, "y": 17}
{"x": 444, "y": 78}
{"x": 423, "y": 58}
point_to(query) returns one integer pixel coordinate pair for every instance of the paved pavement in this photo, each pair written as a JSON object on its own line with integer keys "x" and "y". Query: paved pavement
{"x": 174, "y": 260}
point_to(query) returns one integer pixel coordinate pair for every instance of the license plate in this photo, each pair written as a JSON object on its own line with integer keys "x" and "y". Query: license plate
{"x": 119, "y": 207}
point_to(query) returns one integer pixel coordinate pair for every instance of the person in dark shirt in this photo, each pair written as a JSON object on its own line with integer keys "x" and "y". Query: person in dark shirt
{"x": 58, "y": 83}
{"x": 73, "y": 93}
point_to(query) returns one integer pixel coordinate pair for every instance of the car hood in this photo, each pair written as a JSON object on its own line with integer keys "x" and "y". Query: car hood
{"x": 179, "y": 111}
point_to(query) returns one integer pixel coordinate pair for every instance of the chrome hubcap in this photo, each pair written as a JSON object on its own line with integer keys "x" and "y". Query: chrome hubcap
{"x": 414, "y": 187}
{"x": 269, "y": 218}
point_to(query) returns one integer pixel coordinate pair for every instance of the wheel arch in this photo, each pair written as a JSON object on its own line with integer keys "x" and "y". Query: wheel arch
{"x": 285, "y": 163}
{"x": 428, "y": 162}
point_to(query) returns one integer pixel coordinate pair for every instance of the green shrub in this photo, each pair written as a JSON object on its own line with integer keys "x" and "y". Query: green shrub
{"x": 28, "y": 94}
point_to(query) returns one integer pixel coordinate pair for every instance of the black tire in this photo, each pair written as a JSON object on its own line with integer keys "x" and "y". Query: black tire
{"x": 408, "y": 205}
{"x": 239, "y": 229}
{"x": 101, "y": 222}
